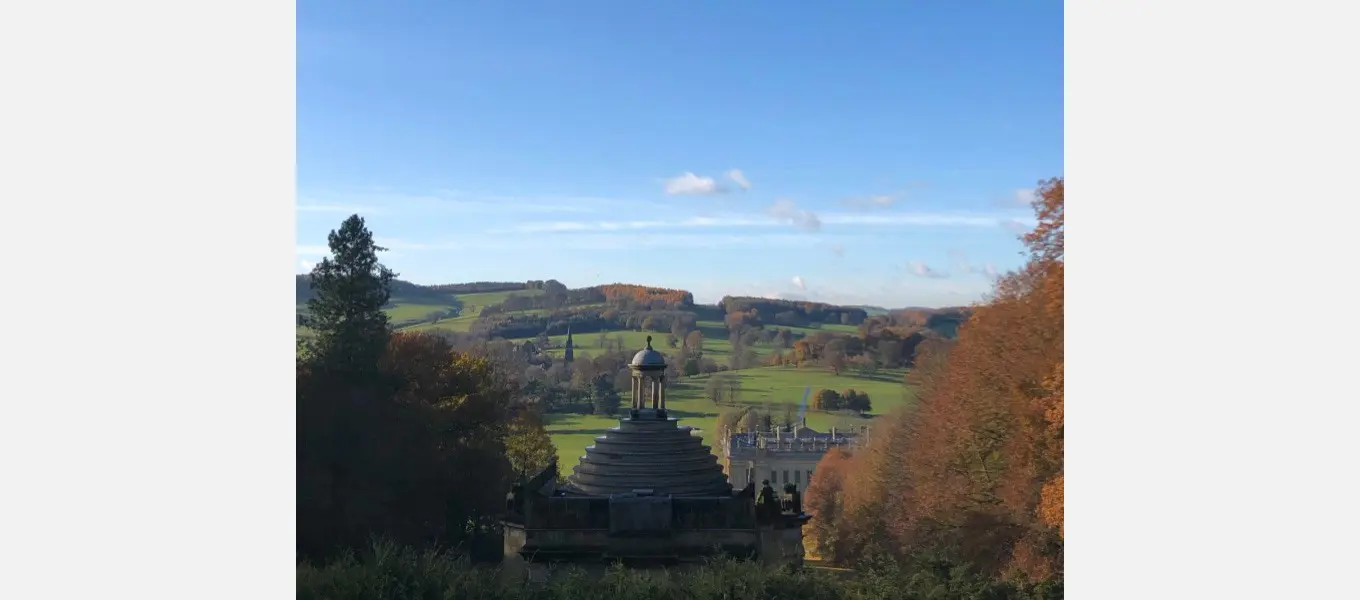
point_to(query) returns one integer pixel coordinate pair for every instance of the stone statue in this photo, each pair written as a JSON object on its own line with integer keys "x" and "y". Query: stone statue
{"x": 514, "y": 499}
{"x": 748, "y": 492}
{"x": 767, "y": 505}
{"x": 794, "y": 502}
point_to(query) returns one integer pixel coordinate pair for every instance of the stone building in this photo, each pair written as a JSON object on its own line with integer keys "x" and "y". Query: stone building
{"x": 648, "y": 492}
{"x": 782, "y": 456}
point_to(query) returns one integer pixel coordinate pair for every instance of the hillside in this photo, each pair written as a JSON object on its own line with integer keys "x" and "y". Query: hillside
{"x": 767, "y": 353}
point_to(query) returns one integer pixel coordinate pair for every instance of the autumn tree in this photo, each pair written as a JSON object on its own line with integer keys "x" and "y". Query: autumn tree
{"x": 823, "y": 502}
{"x": 414, "y": 455}
{"x": 855, "y": 400}
{"x": 775, "y": 358}
{"x": 834, "y": 355}
{"x": 973, "y": 473}
{"x": 722, "y": 388}
{"x": 527, "y": 444}
{"x": 694, "y": 341}
{"x": 826, "y": 400}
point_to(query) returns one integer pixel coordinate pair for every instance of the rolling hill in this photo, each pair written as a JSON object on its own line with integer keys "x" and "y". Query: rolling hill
{"x": 625, "y": 315}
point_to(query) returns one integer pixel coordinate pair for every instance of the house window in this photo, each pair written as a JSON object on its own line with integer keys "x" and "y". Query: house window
{"x": 786, "y": 476}
{"x": 774, "y": 477}
{"x": 798, "y": 477}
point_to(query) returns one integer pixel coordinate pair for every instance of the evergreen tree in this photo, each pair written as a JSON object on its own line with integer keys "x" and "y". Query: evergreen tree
{"x": 351, "y": 287}
{"x": 604, "y": 396}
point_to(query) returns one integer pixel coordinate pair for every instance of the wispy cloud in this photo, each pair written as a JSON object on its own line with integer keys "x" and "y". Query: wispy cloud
{"x": 921, "y": 269}
{"x": 960, "y": 263}
{"x": 870, "y": 202}
{"x": 739, "y": 178}
{"x": 570, "y": 226}
{"x": 781, "y": 213}
{"x": 798, "y": 282}
{"x": 837, "y": 249}
{"x": 600, "y": 241}
{"x": 689, "y": 184}
{"x": 786, "y": 211}
{"x": 1017, "y": 226}
{"x": 444, "y": 202}
{"x": 920, "y": 219}
{"x": 1023, "y": 197}
{"x": 315, "y": 250}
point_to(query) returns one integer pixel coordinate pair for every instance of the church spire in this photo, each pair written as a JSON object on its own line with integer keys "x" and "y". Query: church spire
{"x": 567, "y": 355}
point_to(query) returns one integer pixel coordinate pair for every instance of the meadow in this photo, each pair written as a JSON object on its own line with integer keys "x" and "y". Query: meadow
{"x": 715, "y": 344}
{"x": 768, "y": 388}
{"x": 472, "y": 310}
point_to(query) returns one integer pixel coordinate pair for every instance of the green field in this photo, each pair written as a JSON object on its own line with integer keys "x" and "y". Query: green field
{"x": 401, "y": 311}
{"x": 773, "y": 385}
{"x": 767, "y": 387}
{"x": 715, "y": 345}
{"x": 472, "y": 309}
{"x": 811, "y": 330}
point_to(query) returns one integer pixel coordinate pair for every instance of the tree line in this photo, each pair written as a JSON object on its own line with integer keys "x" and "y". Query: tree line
{"x": 972, "y": 472}
{"x": 399, "y": 435}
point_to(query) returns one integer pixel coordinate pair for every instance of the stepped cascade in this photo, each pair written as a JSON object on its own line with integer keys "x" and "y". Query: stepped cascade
{"x": 647, "y": 493}
{"x": 649, "y": 450}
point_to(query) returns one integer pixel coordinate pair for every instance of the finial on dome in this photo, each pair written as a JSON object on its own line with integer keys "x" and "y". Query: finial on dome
{"x": 649, "y": 342}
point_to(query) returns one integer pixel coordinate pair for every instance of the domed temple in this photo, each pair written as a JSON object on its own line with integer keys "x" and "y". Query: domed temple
{"x": 648, "y": 492}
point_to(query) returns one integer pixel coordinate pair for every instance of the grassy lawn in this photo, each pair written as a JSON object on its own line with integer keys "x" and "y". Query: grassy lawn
{"x": 401, "y": 311}
{"x": 474, "y": 303}
{"x": 774, "y": 386}
{"x": 472, "y": 309}
{"x": 838, "y": 328}
{"x": 572, "y": 433}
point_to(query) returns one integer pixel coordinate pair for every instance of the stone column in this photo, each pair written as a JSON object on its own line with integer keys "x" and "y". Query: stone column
{"x": 661, "y": 385}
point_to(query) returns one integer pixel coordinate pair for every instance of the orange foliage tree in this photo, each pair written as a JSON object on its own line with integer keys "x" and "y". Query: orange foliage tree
{"x": 973, "y": 472}
{"x": 823, "y": 502}
{"x": 645, "y": 294}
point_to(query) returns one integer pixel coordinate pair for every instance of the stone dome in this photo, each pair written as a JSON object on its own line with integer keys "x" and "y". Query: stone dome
{"x": 647, "y": 357}
{"x": 649, "y": 453}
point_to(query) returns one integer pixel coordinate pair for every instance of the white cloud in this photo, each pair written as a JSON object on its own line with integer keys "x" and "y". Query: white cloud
{"x": 838, "y": 250}
{"x": 312, "y": 250}
{"x": 786, "y": 211}
{"x": 799, "y": 283}
{"x": 888, "y": 293}
{"x": 782, "y": 212}
{"x": 1024, "y": 197}
{"x": 689, "y": 184}
{"x": 599, "y": 241}
{"x": 306, "y": 265}
{"x": 920, "y": 269}
{"x": 739, "y": 178}
{"x": 378, "y": 201}
{"x": 960, "y": 263}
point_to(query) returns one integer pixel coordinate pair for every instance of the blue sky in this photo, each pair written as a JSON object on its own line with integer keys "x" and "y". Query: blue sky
{"x": 849, "y": 152}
